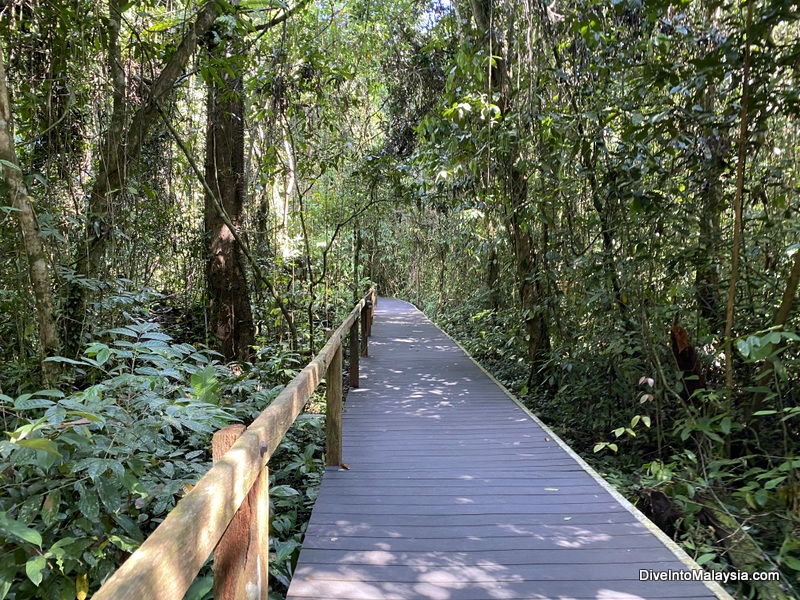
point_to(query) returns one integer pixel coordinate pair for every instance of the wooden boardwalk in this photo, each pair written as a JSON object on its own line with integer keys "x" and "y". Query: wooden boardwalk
{"x": 455, "y": 492}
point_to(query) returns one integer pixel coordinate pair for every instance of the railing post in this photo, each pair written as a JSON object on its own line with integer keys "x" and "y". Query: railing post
{"x": 373, "y": 297}
{"x": 241, "y": 558}
{"x": 333, "y": 411}
{"x": 354, "y": 351}
{"x": 365, "y": 327}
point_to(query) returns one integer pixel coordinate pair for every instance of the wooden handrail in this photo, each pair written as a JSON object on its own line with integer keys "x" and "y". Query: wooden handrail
{"x": 167, "y": 562}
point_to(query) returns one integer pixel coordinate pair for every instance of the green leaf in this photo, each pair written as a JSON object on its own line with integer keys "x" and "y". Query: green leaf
{"x": 762, "y": 413}
{"x": 109, "y": 494}
{"x": 42, "y": 444}
{"x": 9, "y": 164}
{"x": 30, "y": 509}
{"x": 200, "y": 588}
{"x": 791, "y": 562}
{"x": 87, "y": 501}
{"x": 7, "y": 574}
{"x": 28, "y": 403}
{"x": 50, "y": 393}
{"x": 123, "y": 542}
{"x": 206, "y": 385}
{"x": 773, "y": 483}
{"x": 123, "y": 331}
{"x": 65, "y": 360}
{"x": 15, "y": 529}
{"x": 725, "y": 425}
{"x": 34, "y": 568}
{"x": 96, "y": 467}
{"x": 50, "y": 507}
{"x": 704, "y": 558}
{"x": 157, "y": 335}
{"x": 744, "y": 347}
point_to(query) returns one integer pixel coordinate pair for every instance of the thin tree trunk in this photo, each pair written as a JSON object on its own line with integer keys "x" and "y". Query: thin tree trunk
{"x": 230, "y": 314}
{"x": 737, "y": 212}
{"x": 38, "y": 266}
{"x": 515, "y": 185}
{"x": 707, "y": 282}
{"x": 121, "y": 148}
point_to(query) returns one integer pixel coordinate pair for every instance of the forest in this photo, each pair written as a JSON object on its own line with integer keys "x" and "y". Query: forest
{"x": 597, "y": 198}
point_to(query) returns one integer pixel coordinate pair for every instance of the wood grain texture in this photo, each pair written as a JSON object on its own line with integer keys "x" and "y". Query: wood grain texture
{"x": 454, "y": 492}
{"x": 241, "y": 558}
{"x": 333, "y": 410}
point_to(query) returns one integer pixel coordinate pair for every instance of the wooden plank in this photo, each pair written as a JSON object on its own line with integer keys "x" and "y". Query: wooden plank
{"x": 453, "y": 589}
{"x": 500, "y": 498}
{"x": 618, "y": 515}
{"x": 403, "y": 492}
{"x": 488, "y": 571}
{"x": 464, "y": 541}
{"x": 435, "y": 531}
{"x": 440, "y": 509}
{"x": 365, "y": 326}
{"x": 626, "y": 558}
{"x": 453, "y": 491}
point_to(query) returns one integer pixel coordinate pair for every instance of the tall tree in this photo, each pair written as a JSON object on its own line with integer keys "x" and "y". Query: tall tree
{"x": 121, "y": 149}
{"x": 231, "y": 317}
{"x": 513, "y": 183}
{"x": 38, "y": 264}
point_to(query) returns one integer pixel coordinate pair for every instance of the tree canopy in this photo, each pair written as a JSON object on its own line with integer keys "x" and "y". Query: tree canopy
{"x": 599, "y": 198}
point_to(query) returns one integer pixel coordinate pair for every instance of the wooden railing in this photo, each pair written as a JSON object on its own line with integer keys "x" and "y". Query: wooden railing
{"x": 227, "y": 511}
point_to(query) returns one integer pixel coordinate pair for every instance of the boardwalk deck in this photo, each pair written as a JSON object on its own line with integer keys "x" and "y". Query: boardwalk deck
{"x": 455, "y": 492}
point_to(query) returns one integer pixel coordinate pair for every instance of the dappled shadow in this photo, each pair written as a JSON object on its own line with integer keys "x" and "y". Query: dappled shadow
{"x": 453, "y": 493}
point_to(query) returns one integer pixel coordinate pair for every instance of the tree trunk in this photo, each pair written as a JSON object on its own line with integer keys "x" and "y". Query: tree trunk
{"x": 493, "y": 270}
{"x": 230, "y": 315}
{"x": 530, "y": 292}
{"x": 707, "y": 281}
{"x": 121, "y": 149}
{"x": 38, "y": 266}
{"x": 515, "y": 185}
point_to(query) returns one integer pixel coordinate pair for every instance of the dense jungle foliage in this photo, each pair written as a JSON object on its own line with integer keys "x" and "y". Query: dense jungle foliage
{"x": 598, "y": 198}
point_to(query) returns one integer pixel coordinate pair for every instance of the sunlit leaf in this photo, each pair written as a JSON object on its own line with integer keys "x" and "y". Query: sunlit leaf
{"x": 34, "y": 568}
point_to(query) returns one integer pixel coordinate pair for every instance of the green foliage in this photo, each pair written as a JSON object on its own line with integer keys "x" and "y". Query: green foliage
{"x": 89, "y": 474}
{"x": 295, "y": 478}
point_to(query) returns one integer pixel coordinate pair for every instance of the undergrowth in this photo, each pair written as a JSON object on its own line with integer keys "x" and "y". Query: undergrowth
{"x": 88, "y": 473}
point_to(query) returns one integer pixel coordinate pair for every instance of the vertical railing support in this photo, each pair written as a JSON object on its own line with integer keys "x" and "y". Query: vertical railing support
{"x": 241, "y": 558}
{"x": 373, "y": 302}
{"x": 354, "y": 352}
{"x": 333, "y": 412}
{"x": 365, "y": 327}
